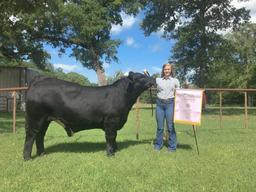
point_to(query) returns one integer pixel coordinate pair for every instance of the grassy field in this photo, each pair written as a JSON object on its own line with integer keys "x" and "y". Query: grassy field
{"x": 227, "y": 160}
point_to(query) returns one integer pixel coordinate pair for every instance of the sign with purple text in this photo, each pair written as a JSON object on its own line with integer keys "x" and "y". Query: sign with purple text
{"x": 188, "y": 106}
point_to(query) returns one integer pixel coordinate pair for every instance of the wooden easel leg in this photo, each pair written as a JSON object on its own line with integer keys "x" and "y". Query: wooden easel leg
{"x": 195, "y": 139}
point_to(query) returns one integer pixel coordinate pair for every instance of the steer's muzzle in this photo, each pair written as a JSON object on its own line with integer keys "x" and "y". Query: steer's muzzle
{"x": 151, "y": 81}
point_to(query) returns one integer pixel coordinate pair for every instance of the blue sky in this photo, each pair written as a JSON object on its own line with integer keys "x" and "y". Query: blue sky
{"x": 136, "y": 52}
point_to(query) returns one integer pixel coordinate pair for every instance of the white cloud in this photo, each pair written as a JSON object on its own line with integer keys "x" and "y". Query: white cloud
{"x": 250, "y": 5}
{"x": 160, "y": 33}
{"x": 130, "y": 41}
{"x": 105, "y": 65}
{"x": 126, "y": 73}
{"x": 155, "y": 48}
{"x": 128, "y": 22}
{"x": 66, "y": 68}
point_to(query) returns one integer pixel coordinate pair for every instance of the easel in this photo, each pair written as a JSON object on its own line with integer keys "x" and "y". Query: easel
{"x": 188, "y": 108}
{"x": 193, "y": 126}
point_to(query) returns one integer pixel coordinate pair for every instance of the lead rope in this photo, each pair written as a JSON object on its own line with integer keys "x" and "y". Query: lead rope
{"x": 150, "y": 92}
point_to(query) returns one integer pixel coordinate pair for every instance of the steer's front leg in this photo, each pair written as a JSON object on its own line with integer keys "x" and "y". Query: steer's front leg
{"x": 110, "y": 135}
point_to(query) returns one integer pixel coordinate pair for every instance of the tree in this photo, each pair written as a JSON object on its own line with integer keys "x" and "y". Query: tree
{"x": 244, "y": 42}
{"x": 99, "y": 44}
{"x": 71, "y": 77}
{"x": 194, "y": 26}
{"x": 82, "y": 25}
{"x": 118, "y": 75}
{"x": 235, "y": 60}
{"x": 18, "y": 22}
{"x": 234, "y": 64}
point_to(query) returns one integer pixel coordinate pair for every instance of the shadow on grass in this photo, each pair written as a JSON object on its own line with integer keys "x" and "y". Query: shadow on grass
{"x": 87, "y": 147}
{"x": 180, "y": 146}
{"x": 184, "y": 146}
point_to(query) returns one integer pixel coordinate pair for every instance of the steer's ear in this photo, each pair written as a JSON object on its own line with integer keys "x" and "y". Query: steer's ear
{"x": 131, "y": 75}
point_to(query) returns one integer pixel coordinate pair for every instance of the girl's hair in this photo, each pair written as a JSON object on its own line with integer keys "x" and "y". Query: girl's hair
{"x": 172, "y": 71}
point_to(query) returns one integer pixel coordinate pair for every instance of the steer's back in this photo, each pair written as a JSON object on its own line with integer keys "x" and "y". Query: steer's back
{"x": 71, "y": 103}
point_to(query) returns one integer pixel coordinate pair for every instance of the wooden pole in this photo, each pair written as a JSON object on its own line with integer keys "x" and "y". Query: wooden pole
{"x": 195, "y": 139}
{"x": 245, "y": 111}
{"x": 220, "y": 109}
{"x": 137, "y": 117}
{"x": 14, "y": 112}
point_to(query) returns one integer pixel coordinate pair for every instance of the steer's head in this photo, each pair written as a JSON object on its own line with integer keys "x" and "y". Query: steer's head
{"x": 140, "y": 82}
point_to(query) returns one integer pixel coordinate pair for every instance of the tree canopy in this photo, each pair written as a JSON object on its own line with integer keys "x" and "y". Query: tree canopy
{"x": 194, "y": 25}
{"x": 235, "y": 61}
{"x": 82, "y": 25}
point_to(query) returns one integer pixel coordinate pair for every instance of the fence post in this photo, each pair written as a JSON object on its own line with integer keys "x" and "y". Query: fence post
{"x": 245, "y": 110}
{"x": 220, "y": 109}
{"x": 137, "y": 117}
{"x": 14, "y": 112}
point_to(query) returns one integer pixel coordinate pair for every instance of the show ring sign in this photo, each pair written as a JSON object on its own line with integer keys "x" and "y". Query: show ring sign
{"x": 188, "y": 106}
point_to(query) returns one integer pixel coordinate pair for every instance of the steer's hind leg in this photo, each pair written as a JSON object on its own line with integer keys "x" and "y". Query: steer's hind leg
{"x": 40, "y": 137}
{"x": 110, "y": 135}
{"x": 30, "y": 138}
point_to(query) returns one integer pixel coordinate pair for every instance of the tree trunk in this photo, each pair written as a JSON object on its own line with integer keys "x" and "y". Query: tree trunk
{"x": 98, "y": 68}
{"x": 101, "y": 76}
{"x": 202, "y": 55}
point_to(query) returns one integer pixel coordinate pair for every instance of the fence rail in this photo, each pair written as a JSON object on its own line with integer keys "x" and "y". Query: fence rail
{"x": 245, "y": 91}
{"x": 14, "y": 91}
{"x": 220, "y": 91}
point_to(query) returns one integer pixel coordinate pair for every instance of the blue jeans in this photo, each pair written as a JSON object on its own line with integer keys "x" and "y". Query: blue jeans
{"x": 164, "y": 111}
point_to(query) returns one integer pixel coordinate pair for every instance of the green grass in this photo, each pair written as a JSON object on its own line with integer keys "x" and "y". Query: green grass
{"x": 226, "y": 162}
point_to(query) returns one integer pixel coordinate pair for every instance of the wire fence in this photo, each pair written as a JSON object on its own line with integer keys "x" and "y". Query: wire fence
{"x": 214, "y": 98}
{"x": 14, "y": 92}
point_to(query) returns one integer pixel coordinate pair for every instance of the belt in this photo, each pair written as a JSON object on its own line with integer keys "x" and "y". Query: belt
{"x": 165, "y": 100}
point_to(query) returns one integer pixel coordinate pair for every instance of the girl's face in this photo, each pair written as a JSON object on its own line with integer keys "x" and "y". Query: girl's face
{"x": 167, "y": 70}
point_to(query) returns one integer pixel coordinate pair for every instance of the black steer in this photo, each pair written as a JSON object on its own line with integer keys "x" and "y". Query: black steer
{"x": 79, "y": 108}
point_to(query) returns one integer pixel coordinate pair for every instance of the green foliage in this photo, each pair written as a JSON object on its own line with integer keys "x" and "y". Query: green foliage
{"x": 71, "y": 77}
{"x": 146, "y": 97}
{"x": 84, "y": 26}
{"x": 226, "y": 161}
{"x": 244, "y": 42}
{"x": 118, "y": 75}
{"x": 194, "y": 25}
{"x": 234, "y": 65}
{"x": 23, "y": 23}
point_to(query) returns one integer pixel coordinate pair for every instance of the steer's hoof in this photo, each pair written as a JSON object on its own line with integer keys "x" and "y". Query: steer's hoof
{"x": 115, "y": 148}
{"x": 41, "y": 154}
{"x": 110, "y": 154}
{"x": 27, "y": 158}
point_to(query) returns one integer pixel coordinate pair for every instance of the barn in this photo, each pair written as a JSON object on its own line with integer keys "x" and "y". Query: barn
{"x": 14, "y": 77}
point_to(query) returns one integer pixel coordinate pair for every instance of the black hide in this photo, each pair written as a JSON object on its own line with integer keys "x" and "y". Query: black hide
{"x": 79, "y": 108}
